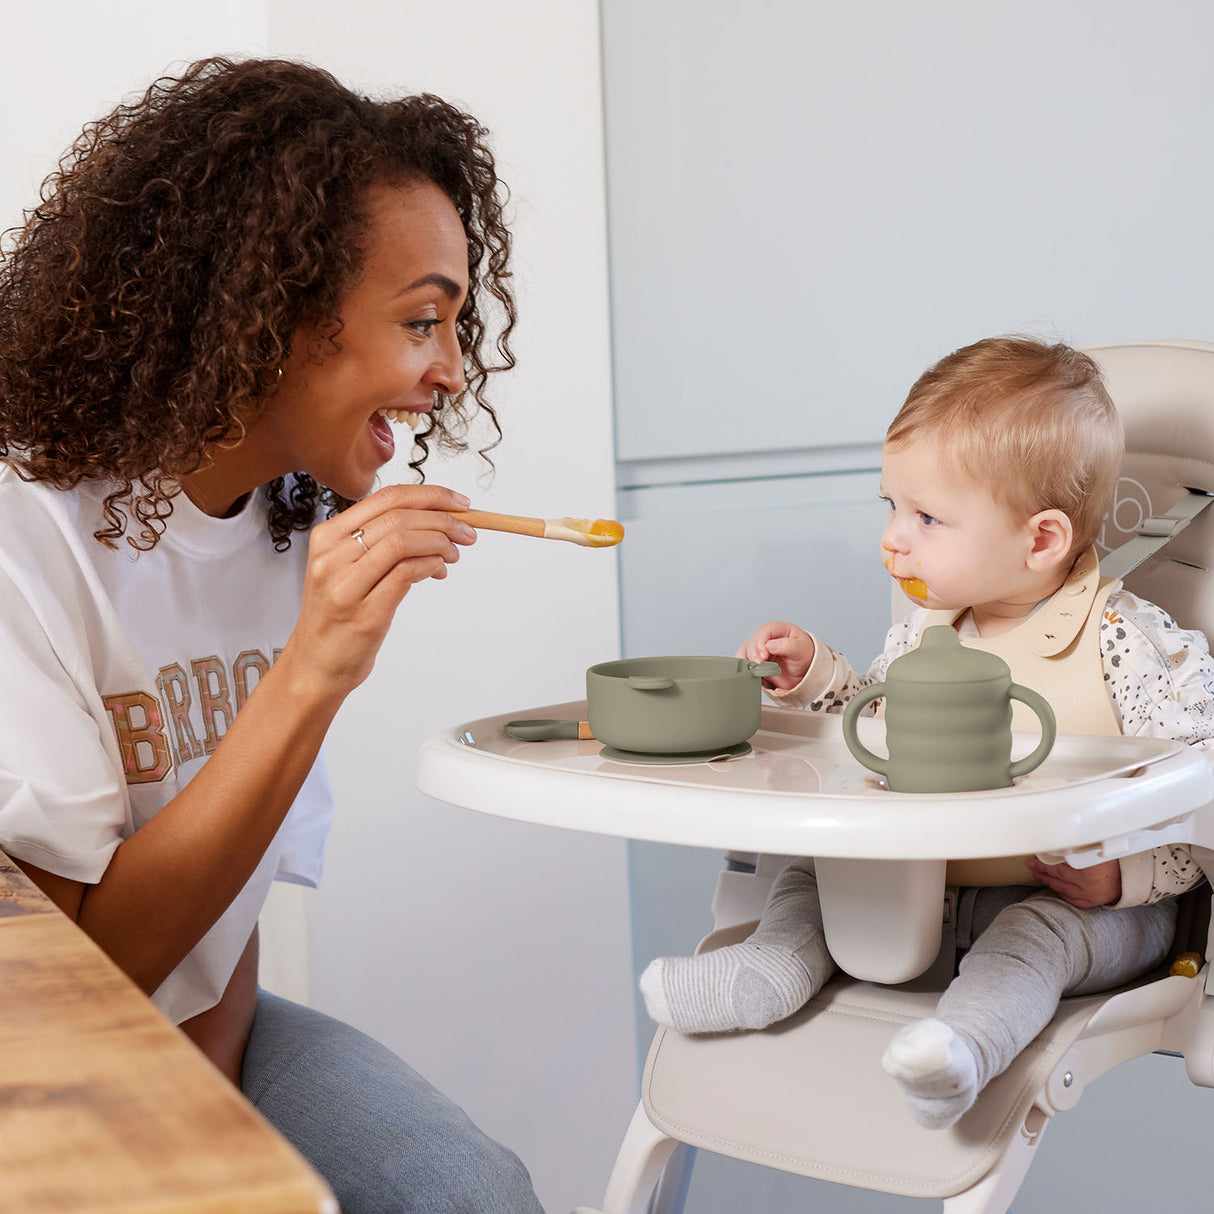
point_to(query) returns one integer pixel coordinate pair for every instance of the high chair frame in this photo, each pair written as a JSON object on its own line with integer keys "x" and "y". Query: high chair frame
{"x": 737, "y": 1094}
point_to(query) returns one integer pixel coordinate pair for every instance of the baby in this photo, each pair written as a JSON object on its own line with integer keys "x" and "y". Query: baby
{"x": 997, "y": 471}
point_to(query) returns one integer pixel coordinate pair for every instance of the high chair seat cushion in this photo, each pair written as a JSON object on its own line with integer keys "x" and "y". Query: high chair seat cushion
{"x": 794, "y": 1096}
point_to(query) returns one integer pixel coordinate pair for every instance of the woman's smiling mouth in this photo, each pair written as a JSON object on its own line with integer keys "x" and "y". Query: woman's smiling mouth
{"x": 402, "y": 415}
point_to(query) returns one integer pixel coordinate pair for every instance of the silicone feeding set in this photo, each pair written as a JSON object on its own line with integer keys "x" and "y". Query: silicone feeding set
{"x": 948, "y": 715}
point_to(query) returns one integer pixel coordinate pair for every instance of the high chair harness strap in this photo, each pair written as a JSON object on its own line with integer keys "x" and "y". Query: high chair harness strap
{"x": 1153, "y": 533}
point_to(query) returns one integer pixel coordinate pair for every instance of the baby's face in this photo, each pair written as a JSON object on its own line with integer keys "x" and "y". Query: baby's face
{"x": 948, "y": 543}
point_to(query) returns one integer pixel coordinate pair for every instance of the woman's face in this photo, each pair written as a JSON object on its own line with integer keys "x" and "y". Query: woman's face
{"x": 397, "y": 347}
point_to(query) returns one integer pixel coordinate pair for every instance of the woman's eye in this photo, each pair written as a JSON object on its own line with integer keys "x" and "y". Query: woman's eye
{"x": 887, "y": 501}
{"x": 422, "y": 327}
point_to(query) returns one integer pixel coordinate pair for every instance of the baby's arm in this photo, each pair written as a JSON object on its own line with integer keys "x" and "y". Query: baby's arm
{"x": 814, "y": 676}
{"x": 1165, "y": 690}
{"x": 1161, "y": 678}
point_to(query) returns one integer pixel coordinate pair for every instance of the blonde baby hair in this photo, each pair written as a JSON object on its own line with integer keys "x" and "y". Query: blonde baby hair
{"x": 1029, "y": 421}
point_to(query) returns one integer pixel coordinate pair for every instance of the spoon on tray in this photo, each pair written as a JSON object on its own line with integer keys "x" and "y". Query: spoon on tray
{"x": 546, "y": 731}
{"x": 599, "y": 533}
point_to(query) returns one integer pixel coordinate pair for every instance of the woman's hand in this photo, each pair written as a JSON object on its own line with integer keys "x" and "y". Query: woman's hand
{"x": 786, "y": 644}
{"x": 361, "y": 564}
{"x": 1099, "y": 885}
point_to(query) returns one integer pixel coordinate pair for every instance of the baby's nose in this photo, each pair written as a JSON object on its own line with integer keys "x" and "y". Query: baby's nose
{"x": 892, "y": 539}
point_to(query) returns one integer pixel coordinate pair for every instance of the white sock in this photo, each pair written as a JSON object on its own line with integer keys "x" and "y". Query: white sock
{"x": 743, "y": 986}
{"x": 936, "y": 1068}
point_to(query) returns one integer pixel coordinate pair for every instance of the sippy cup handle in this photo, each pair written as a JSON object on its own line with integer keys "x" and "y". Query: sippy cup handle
{"x": 861, "y": 752}
{"x": 1049, "y": 729}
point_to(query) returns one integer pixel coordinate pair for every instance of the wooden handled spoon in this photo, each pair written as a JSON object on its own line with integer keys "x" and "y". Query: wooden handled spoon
{"x": 601, "y": 533}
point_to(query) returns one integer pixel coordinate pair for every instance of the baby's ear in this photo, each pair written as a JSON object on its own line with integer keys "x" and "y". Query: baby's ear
{"x": 1052, "y": 537}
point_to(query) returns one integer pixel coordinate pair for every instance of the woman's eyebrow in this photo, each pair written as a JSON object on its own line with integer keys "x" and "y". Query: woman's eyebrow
{"x": 448, "y": 286}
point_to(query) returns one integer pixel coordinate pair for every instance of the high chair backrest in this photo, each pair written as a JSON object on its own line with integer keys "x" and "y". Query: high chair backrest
{"x": 1164, "y": 392}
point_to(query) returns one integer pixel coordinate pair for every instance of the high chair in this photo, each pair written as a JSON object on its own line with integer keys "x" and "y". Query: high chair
{"x": 750, "y": 1095}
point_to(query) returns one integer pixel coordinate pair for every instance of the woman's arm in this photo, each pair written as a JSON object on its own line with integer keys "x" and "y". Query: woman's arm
{"x": 171, "y": 880}
{"x": 168, "y": 883}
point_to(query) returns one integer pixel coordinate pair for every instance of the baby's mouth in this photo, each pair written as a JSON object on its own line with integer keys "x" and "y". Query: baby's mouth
{"x": 913, "y": 587}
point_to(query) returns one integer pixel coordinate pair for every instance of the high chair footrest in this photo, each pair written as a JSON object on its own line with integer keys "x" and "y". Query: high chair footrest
{"x": 809, "y": 1096}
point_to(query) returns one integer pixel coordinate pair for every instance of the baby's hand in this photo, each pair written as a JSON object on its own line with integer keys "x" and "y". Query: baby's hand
{"x": 790, "y": 646}
{"x": 1099, "y": 885}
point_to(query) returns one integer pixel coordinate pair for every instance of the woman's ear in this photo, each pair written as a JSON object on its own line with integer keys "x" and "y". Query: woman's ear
{"x": 1052, "y": 536}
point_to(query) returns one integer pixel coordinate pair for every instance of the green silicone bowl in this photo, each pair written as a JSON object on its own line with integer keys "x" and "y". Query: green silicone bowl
{"x": 675, "y": 705}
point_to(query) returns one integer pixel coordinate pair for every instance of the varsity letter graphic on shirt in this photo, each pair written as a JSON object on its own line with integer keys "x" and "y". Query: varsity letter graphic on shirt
{"x": 195, "y": 705}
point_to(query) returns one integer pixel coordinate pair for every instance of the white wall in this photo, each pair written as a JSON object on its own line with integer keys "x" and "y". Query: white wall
{"x": 69, "y": 63}
{"x": 492, "y": 956}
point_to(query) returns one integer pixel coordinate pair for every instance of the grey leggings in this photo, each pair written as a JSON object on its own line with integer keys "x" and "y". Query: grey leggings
{"x": 385, "y": 1140}
{"x": 1025, "y": 950}
{"x": 1028, "y": 951}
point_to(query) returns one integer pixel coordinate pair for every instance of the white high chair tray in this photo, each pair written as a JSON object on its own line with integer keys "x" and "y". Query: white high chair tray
{"x": 800, "y": 792}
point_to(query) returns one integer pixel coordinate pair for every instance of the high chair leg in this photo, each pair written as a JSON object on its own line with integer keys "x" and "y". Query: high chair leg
{"x": 670, "y": 1197}
{"x": 994, "y": 1193}
{"x": 638, "y": 1167}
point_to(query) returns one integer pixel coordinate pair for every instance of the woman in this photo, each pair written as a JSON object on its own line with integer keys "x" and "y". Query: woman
{"x": 229, "y": 291}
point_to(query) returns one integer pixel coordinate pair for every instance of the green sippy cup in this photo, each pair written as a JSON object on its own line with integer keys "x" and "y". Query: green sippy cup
{"x": 948, "y": 719}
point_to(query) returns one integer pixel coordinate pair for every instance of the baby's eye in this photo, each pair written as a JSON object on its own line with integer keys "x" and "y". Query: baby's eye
{"x": 888, "y": 501}
{"x": 927, "y": 519}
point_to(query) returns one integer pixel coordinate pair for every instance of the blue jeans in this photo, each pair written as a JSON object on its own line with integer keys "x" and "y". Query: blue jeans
{"x": 384, "y": 1139}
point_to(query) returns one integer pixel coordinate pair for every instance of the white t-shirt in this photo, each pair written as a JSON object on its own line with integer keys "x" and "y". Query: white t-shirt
{"x": 121, "y": 672}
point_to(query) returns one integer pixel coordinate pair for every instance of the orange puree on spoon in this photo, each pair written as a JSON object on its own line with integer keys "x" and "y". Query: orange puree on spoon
{"x": 602, "y": 533}
{"x": 608, "y": 528}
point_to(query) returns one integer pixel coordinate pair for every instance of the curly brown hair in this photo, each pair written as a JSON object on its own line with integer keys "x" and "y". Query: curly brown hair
{"x": 150, "y": 298}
